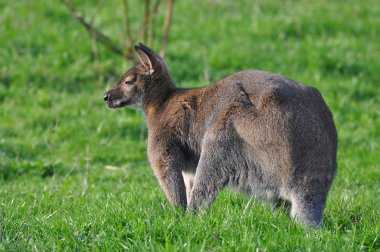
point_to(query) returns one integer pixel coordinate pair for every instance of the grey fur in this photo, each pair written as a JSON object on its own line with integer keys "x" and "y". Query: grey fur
{"x": 257, "y": 132}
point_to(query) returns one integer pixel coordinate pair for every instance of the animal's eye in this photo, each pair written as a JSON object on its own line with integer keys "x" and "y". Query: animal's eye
{"x": 129, "y": 80}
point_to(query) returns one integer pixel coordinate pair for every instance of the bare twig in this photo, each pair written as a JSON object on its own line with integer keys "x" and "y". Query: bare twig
{"x": 154, "y": 21}
{"x": 95, "y": 51}
{"x": 98, "y": 63}
{"x": 147, "y": 32}
{"x": 130, "y": 40}
{"x": 106, "y": 41}
{"x": 98, "y": 7}
{"x": 145, "y": 26}
{"x": 168, "y": 19}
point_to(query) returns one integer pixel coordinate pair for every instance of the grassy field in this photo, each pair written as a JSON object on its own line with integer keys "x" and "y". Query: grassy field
{"x": 74, "y": 174}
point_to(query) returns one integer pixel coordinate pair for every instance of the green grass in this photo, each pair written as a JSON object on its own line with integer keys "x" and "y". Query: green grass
{"x": 74, "y": 174}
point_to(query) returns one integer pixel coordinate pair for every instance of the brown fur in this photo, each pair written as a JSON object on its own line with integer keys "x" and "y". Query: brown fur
{"x": 258, "y": 132}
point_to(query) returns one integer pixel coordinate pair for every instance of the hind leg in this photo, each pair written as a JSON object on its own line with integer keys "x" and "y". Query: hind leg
{"x": 189, "y": 181}
{"x": 211, "y": 174}
{"x": 208, "y": 182}
{"x": 308, "y": 208}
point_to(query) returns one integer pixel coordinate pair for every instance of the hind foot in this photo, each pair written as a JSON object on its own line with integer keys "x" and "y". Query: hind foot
{"x": 308, "y": 209}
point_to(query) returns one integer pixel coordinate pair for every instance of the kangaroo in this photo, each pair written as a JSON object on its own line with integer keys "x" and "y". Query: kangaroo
{"x": 260, "y": 133}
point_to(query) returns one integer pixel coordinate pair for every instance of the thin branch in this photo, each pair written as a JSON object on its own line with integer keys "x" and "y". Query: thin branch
{"x": 106, "y": 41}
{"x": 98, "y": 7}
{"x": 145, "y": 26}
{"x": 168, "y": 19}
{"x": 130, "y": 40}
{"x": 96, "y": 55}
{"x": 154, "y": 21}
{"x": 95, "y": 51}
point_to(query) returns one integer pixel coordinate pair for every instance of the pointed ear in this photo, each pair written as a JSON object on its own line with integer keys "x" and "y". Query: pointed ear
{"x": 146, "y": 57}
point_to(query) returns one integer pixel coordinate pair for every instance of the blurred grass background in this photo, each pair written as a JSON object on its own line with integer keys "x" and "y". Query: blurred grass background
{"x": 74, "y": 174}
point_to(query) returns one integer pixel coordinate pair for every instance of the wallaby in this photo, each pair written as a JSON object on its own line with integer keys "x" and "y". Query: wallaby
{"x": 254, "y": 131}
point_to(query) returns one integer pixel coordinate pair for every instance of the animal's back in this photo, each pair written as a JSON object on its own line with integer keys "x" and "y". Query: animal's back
{"x": 298, "y": 108}
{"x": 284, "y": 130}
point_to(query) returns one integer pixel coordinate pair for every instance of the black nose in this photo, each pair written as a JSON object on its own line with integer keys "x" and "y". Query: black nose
{"x": 105, "y": 97}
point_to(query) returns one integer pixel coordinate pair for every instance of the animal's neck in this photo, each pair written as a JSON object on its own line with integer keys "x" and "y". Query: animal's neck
{"x": 157, "y": 94}
{"x": 180, "y": 117}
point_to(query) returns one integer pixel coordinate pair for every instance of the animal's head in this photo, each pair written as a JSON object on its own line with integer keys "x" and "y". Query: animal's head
{"x": 144, "y": 83}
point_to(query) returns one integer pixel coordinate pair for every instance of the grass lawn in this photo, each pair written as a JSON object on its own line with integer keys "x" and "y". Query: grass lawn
{"x": 74, "y": 174}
